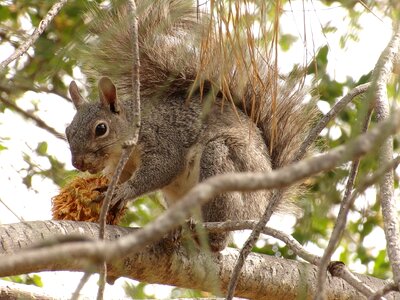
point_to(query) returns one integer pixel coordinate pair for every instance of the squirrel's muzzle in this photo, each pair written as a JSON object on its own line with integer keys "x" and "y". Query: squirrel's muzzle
{"x": 78, "y": 162}
{"x": 83, "y": 163}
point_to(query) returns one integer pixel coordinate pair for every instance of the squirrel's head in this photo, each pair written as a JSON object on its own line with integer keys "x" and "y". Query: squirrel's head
{"x": 97, "y": 130}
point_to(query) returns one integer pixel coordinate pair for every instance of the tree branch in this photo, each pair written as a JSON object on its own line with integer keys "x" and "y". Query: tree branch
{"x": 263, "y": 277}
{"x": 277, "y": 195}
{"x": 200, "y": 194}
{"x": 381, "y": 77}
{"x": 390, "y": 287}
{"x": 15, "y": 291}
{"x": 293, "y": 244}
{"x": 337, "y": 108}
{"x": 35, "y": 35}
{"x": 133, "y": 118}
{"x": 340, "y": 224}
{"x": 39, "y": 122}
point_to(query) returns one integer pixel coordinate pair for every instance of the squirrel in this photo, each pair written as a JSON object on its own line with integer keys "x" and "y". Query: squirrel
{"x": 183, "y": 139}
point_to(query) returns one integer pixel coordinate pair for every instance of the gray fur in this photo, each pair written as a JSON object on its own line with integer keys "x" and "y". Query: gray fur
{"x": 181, "y": 142}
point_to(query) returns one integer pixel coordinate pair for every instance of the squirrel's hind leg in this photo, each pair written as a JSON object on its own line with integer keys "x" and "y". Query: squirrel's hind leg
{"x": 222, "y": 156}
{"x": 216, "y": 159}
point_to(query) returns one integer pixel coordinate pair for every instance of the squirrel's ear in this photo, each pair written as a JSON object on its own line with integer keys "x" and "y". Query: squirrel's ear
{"x": 108, "y": 94}
{"x": 76, "y": 97}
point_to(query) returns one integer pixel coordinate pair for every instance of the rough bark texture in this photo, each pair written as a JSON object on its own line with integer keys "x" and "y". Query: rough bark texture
{"x": 15, "y": 291}
{"x": 263, "y": 277}
{"x": 381, "y": 76}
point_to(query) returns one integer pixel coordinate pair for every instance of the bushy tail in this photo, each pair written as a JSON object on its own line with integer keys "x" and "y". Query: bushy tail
{"x": 179, "y": 49}
{"x": 168, "y": 36}
{"x": 284, "y": 121}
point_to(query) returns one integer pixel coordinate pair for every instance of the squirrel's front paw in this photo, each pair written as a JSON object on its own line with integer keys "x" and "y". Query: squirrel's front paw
{"x": 120, "y": 196}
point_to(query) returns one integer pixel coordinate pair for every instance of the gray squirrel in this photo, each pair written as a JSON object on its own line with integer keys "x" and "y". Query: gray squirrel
{"x": 183, "y": 139}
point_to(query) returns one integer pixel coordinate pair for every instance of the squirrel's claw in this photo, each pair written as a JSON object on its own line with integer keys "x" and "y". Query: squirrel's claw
{"x": 119, "y": 198}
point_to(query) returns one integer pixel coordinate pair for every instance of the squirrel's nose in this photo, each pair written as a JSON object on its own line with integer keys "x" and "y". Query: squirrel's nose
{"x": 77, "y": 162}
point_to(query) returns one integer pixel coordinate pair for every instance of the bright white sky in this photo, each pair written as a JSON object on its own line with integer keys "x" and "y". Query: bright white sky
{"x": 24, "y": 136}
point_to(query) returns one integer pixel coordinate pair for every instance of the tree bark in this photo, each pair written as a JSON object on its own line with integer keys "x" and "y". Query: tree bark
{"x": 16, "y": 291}
{"x": 263, "y": 277}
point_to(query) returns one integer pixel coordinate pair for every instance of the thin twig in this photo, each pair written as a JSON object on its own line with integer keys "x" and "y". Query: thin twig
{"x": 12, "y": 87}
{"x": 35, "y": 35}
{"x": 133, "y": 113}
{"x": 82, "y": 282}
{"x": 250, "y": 242}
{"x": 374, "y": 178}
{"x": 39, "y": 122}
{"x": 291, "y": 242}
{"x": 339, "y": 269}
{"x": 337, "y": 108}
{"x": 390, "y": 287}
{"x": 21, "y": 219}
{"x": 133, "y": 118}
{"x": 102, "y": 281}
{"x": 341, "y": 220}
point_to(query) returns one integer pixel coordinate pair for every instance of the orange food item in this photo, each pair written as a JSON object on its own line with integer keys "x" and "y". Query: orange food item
{"x": 78, "y": 201}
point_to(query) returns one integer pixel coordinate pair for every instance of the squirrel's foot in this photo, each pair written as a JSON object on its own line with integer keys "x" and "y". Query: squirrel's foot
{"x": 120, "y": 196}
{"x": 118, "y": 200}
{"x": 216, "y": 241}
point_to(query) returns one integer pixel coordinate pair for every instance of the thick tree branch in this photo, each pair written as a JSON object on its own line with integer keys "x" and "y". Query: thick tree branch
{"x": 263, "y": 276}
{"x": 16, "y": 291}
{"x": 381, "y": 77}
{"x": 200, "y": 194}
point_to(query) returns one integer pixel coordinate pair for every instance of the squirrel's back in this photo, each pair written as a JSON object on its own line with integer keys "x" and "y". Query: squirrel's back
{"x": 181, "y": 59}
{"x": 255, "y": 123}
{"x": 173, "y": 61}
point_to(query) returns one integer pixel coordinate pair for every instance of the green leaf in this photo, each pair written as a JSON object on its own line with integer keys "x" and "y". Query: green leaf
{"x": 318, "y": 65}
{"x": 37, "y": 280}
{"x": 42, "y": 148}
{"x": 286, "y": 41}
{"x": 4, "y": 13}
{"x": 381, "y": 266}
{"x": 137, "y": 291}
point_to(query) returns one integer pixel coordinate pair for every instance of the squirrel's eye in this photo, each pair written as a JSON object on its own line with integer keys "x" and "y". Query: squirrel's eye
{"x": 101, "y": 129}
